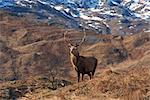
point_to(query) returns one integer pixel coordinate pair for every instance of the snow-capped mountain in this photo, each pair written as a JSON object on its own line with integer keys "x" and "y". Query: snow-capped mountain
{"x": 92, "y": 14}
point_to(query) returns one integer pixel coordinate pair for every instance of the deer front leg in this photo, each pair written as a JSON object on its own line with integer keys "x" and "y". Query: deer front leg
{"x": 82, "y": 76}
{"x": 90, "y": 75}
{"x": 78, "y": 76}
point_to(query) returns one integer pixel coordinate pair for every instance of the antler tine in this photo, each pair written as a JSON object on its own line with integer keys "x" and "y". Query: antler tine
{"x": 65, "y": 37}
{"x": 83, "y": 39}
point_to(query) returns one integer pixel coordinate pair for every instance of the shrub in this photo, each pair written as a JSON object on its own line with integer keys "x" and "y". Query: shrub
{"x": 141, "y": 40}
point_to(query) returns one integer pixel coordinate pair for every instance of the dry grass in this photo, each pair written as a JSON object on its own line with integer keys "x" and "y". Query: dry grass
{"x": 28, "y": 49}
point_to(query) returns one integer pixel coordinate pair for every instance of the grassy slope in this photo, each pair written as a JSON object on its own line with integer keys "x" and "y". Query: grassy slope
{"x": 29, "y": 48}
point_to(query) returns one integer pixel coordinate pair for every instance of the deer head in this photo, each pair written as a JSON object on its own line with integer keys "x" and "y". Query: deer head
{"x": 74, "y": 47}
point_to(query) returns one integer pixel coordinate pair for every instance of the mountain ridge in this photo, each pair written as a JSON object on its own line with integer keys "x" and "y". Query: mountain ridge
{"x": 86, "y": 14}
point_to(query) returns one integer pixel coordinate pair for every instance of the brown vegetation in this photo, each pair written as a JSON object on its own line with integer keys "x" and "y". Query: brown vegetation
{"x": 34, "y": 60}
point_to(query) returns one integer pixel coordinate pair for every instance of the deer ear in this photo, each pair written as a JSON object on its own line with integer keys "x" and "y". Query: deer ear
{"x": 69, "y": 45}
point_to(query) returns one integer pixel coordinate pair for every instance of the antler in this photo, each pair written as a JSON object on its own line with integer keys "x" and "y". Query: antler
{"x": 65, "y": 37}
{"x": 83, "y": 39}
{"x": 68, "y": 40}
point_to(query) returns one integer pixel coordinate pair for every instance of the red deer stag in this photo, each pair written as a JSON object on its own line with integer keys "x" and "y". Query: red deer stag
{"x": 82, "y": 65}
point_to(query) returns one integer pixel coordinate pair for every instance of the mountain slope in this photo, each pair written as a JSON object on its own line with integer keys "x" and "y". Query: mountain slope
{"x": 34, "y": 61}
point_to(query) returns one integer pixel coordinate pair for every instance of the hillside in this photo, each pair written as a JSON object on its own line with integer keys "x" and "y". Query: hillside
{"x": 35, "y": 64}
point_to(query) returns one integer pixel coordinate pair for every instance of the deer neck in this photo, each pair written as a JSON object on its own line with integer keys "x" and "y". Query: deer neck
{"x": 74, "y": 60}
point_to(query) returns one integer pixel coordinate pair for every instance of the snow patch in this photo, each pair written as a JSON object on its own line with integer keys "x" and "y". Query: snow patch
{"x": 45, "y": 3}
{"x": 60, "y": 7}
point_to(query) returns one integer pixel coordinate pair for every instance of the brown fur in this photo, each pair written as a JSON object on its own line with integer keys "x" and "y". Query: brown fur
{"x": 82, "y": 65}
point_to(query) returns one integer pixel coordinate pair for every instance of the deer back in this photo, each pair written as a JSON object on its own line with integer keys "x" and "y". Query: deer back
{"x": 87, "y": 64}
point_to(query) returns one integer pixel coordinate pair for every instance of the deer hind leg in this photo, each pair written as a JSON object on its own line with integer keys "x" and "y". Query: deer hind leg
{"x": 93, "y": 72}
{"x": 90, "y": 75}
{"x": 78, "y": 76}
